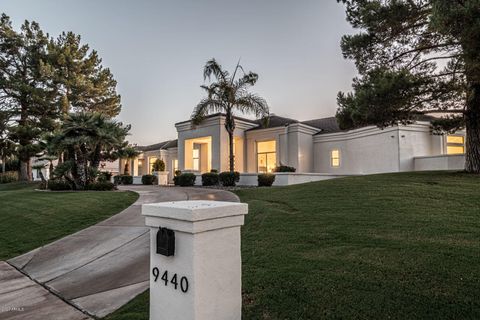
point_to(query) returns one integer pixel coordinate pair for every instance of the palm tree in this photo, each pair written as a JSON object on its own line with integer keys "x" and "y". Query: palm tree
{"x": 228, "y": 94}
{"x": 128, "y": 153}
{"x": 85, "y": 139}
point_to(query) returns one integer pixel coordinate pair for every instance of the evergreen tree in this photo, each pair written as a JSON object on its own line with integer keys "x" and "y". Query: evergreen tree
{"x": 26, "y": 89}
{"x": 415, "y": 57}
{"x": 84, "y": 84}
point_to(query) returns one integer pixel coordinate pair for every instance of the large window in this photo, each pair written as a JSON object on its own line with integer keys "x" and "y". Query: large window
{"x": 196, "y": 159}
{"x": 455, "y": 144}
{"x": 266, "y": 156}
{"x": 151, "y": 161}
{"x": 140, "y": 167}
{"x": 175, "y": 165}
{"x": 335, "y": 158}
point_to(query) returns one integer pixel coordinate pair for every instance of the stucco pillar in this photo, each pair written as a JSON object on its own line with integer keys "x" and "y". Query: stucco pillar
{"x": 195, "y": 262}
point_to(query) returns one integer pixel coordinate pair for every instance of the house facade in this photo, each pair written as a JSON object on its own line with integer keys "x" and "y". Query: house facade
{"x": 316, "y": 147}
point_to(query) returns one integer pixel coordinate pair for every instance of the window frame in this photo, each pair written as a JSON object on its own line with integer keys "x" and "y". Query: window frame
{"x": 337, "y": 158}
{"x": 455, "y": 144}
{"x": 266, "y": 155}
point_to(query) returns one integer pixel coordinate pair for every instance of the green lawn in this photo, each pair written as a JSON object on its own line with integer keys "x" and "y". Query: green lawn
{"x": 30, "y": 219}
{"x": 399, "y": 246}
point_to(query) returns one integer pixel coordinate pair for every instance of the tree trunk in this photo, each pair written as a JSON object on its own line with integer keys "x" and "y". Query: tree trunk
{"x": 96, "y": 156}
{"x": 4, "y": 160}
{"x": 472, "y": 119}
{"x": 232, "y": 155}
{"x": 25, "y": 170}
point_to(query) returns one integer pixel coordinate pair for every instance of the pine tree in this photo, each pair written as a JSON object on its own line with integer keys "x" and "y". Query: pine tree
{"x": 26, "y": 89}
{"x": 84, "y": 84}
{"x": 415, "y": 57}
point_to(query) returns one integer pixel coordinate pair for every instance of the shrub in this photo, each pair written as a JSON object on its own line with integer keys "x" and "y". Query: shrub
{"x": 210, "y": 179}
{"x": 8, "y": 176}
{"x": 266, "y": 179}
{"x": 104, "y": 176}
{"x": 100, "y": 186}
{"x": 186, "y": 179}
{"x": 158, "y": 165}
{"x": 214, "y": 171}
{"x": 12, "y": 165}
{"x": 123, "y": 179}
{"x": 59, "y": 185}
{"x": 149, "y": 179}
{"x": 175, "y": 177}
{"x": 229, "y": 179}
{"x": 284, "y": 169}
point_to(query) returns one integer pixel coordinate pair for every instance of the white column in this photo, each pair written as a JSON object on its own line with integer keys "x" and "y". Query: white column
{"x": 202, "y": 279}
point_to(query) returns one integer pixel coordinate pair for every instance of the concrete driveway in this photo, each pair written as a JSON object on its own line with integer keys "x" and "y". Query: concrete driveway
{"x": 95, "y": 270}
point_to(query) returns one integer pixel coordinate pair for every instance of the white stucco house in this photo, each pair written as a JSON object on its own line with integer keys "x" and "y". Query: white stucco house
{"x": 317, "y": 148}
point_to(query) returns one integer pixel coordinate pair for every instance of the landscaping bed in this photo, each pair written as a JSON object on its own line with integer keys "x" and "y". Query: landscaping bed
{"x": 399, "y": 246}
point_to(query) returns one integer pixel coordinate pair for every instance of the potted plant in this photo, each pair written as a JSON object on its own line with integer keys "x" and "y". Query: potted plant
{"x": 158, "y": 169}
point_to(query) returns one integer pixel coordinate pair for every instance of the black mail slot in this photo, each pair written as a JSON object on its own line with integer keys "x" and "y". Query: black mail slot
{"x": 165, "y": 242}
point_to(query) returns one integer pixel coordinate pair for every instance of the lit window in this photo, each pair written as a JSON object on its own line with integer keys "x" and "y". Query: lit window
{"x": 175, "y": 165}
{"x": 266, "y": 156}
{"x": 335, "y": 158}
{"x": 196, "y": 159}
{"x": 455, "y": 144}
{"x": 151, "y": 162}
{"x": 140, "y": 167}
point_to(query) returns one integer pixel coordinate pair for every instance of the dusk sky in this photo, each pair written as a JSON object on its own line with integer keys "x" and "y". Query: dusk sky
{"x": 157, "y": 49}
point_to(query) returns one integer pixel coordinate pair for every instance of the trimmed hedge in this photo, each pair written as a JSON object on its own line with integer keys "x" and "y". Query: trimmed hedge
{"x": 266, "y": 179}
{"x": 58, "y": 185}
{"x": 149, "y": 179}
{"x": 186, "y": 179}
{"x": 228, "y": 178}
{"x": 100, "y": 186}
{"x": 210, "y": 179}
{"x": 123, "y": 179}
{"x": 284, "y": 169}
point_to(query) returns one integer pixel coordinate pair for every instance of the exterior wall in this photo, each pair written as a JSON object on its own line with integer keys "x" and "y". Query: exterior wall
{"x": 294, "y": 146}
{"x": 214, "y": 128}
{"x": 362, "y": 151}
{"x": 415, "y": 141}
{"x": 441, "y": 162}
{"x": 252, "y": 137}
{"x": 372, "y": 150}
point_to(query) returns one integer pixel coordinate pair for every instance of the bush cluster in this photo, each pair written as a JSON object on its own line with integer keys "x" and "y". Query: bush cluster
{"x": 284, "y": 169}
{"x": 186, "y": 179}
{"x": 149, "y": 179}
{"x": 175, "y": 177}
{"x": 123, "y": 179}
{"x": 8, "y": 176}
{"x": 228, "y": 178}
{"x": 158, "y": 165}
{"x": 59, "y": 185}
{"x": 105, "y": 176}
{"x": 266, "y": 179}
{"x": 100, "y": 186}
{"x": 210, "y": 179}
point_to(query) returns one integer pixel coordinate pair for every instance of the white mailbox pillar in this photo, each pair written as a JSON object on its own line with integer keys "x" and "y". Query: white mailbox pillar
{"x": 202, "y": 279}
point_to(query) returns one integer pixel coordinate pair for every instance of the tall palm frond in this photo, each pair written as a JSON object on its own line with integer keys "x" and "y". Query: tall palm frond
{"x": 227, "y": 94}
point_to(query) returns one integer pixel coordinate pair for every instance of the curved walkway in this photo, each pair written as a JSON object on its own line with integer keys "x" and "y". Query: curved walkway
{"x": 100, "y": 268}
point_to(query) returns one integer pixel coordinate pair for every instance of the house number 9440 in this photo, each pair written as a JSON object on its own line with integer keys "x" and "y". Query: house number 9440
{"x": 177, "y": 283}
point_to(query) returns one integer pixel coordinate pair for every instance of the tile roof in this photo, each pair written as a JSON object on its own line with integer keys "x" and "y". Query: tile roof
{"x": 159, "y": 146}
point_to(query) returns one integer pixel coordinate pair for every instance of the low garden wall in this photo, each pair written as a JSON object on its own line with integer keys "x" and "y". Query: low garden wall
{"x": 281, "y": 178}
{"x": 442, "y": 162}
